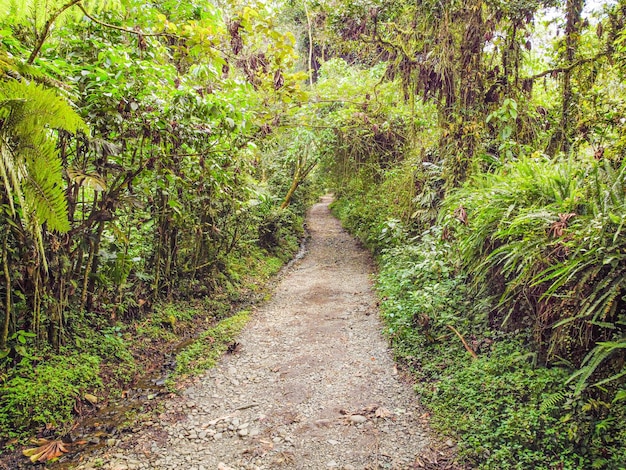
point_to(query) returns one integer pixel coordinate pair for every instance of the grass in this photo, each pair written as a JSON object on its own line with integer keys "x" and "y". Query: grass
{"x": 205, "y": 351}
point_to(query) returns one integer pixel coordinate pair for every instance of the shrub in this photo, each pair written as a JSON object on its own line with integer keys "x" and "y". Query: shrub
{"x": 546, "y": 237}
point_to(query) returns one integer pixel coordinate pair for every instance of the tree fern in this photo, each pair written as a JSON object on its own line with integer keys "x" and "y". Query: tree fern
{"x": 37, "y": 11}
{"x": 31, "y": 107}
{"x": 43, "y": 188}
{"x": 29, "y": 164}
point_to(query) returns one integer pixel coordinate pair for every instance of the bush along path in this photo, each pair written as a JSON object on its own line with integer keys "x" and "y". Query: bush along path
{"x": 309, "y": 384}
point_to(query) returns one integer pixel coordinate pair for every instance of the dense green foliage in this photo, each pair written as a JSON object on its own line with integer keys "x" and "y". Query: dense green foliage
{"x": 139, "y": 169}
{"x": 546, "y": 236}
{"x": 45, "y": 394}
{"x": 497, "y": 218}
{"x": 164, "y": 152}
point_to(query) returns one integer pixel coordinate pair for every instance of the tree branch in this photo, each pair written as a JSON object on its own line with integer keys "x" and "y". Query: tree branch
{"x": 310, "y": 33}
{"x": 571, "y": 66}
{"x": 119, "y": 28}
{"x": 46, "y": 29}
{"x": 467, "y": 347}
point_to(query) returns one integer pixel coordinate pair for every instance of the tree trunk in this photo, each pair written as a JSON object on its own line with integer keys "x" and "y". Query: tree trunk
{"x": 562, "y": 137}
{"x": 7, "y": 304}
{"x": 292, "y": 189}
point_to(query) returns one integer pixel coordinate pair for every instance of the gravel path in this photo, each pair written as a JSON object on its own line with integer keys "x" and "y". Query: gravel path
{"x": 312, "y": 385}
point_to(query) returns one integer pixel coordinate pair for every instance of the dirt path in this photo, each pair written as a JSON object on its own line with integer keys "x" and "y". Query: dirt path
{"x": 312, "y": 387}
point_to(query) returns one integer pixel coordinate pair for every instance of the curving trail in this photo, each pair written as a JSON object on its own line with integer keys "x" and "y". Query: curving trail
{"x": 313, "y": 385}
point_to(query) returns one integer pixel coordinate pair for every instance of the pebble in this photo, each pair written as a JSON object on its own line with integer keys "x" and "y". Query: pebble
{"x": 358, "y": 419}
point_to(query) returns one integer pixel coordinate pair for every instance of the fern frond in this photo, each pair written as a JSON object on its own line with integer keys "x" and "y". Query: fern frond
{"x": 39, "y": 107}
{"x": 37, "y": 12}
{"x": 6, "y": 172}
{"x": 31, "y": 169}
{"x": 43, "y": 188}
{"x": 593, "y": 360}
{"x": 551, "y": 401}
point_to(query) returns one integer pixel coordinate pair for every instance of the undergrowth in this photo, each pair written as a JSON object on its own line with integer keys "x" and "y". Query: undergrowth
{"x": 505, "y": 407}
{"x": 45, "y": 394}
{"x": 41, "y": 391}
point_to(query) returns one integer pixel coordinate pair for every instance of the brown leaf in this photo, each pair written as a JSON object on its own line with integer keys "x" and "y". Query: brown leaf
{"x": 279, "y": 80}
{"x": 558, "y": 228}
{"x": 383, "y": 413}
{"x": 233, "y": 348}
{"x": 461, "y": 215}
{"x": 599, "y": 153}
{"x": 369, "y": 409}
{"x": 48, "y": 451}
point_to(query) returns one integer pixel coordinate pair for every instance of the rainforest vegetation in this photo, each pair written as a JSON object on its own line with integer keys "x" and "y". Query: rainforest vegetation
{"x": 157, "y": 159}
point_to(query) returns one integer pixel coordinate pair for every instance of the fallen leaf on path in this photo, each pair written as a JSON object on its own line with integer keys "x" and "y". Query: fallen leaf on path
{"x": 47, "y": 450}
{"x": 283, "y": 458}
{"x": 383, "y": 413}
{"x": 323, "y": 422}
{"x": 369, "y": 409}
{"x": 233, "y": 348}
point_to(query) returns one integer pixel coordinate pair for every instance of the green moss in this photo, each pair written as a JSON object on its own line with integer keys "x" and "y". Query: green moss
{"x": 204, "y": 352}
{"x": 45, "y": 394}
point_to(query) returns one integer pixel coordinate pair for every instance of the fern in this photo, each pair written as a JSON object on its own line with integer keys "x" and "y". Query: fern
{"x": 551, "y": 401}
{"x": 33, "y": 107}
{"x": 37, "y": 11}
{"x": 592, "y": 361}
{"x": 562, "y": 270}
{"x": 43, "y": 188}
{"x": 29, "y": 165}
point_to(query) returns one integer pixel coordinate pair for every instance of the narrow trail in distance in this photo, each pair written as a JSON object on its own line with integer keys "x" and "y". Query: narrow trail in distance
{"x": 312, "y": 386}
